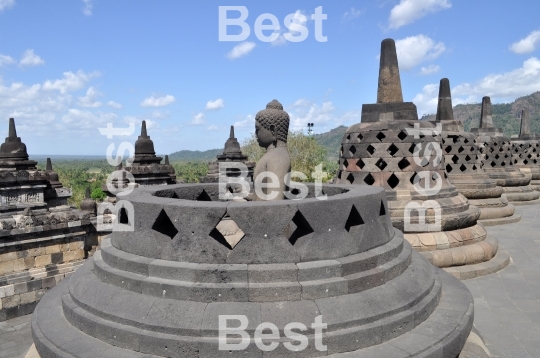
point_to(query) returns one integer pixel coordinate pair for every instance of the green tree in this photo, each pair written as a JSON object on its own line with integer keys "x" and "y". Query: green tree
{"x": 306, "y": 153}
{"x": 98, "y": 194}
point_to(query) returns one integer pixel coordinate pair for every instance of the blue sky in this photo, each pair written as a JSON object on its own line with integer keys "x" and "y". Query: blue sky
{"x": 69, "y": 67}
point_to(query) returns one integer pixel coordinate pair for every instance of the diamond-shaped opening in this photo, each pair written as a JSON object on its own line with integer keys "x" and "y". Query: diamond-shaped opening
{"x": 412, "y": 148}
{"x": 297, "y": 228}
{"x": 448, "y": 149}
{"x": 465, "y": 141}
{"x": 467, "y": 158}
{"x": 493, "y": 164}
{"x": 472, "y": 149}
{"x": 360, "y": 163}
{"x": 380, "y": 136}
{"x": 370, "y": 149}
{"x": 413, "y": 178}
{"x": 392, "y": 149}
{"x": 381, "y": 164}
{"x": 382, "y": 210}
{"x": 348, "y": 137}
{"x": 503, "y": 164}
{"x": 350, "y": 178}
{"x": 123, "y": 216}
{"x": 448, "y": 168}
{"x": 360, "y": 136}
{"x": 354, "y": 220}
{"x": 203, "y": 196}
{"x": 474, "y": 167}
{"x": 352, "y": 149}
{"x": 403, "y": 163}
{"x": 501, "y": 149}
{"x": 339, "y": 174}
{"x": 369, "y": 180}
{"x": 227, "y": 233}
{"x": 529, "y": 156}
{"x": 525, "y": 162}
{"x": 462, "y": 167}
{"x": 164, "y": 225}
{"x": 455, "y": 159}
{"x": 497, "y": 156}
{"x": 345, "y": 163}
{"x": 455, "y": 139}
{"x": 393, "y": 181}
{"x": 460, "y": 149}
{"x": 402, "y": 135}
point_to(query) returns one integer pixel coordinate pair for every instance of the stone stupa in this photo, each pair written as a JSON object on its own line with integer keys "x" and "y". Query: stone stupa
{"x": 496, "y": 158}
{"x": 464, "y": 169}
{"x": 232, "y": 153}
{"x": 388, "y": 149}
{"x": 145, "y": 167}
{"x": 329, "y": 278}
{"x": 526, "y": 151}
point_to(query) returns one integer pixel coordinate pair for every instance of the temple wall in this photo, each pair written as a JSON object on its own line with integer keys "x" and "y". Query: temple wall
{"x": 32, "y": 264}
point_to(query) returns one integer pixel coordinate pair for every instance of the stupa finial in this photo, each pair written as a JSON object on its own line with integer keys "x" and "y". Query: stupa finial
{"x": 444, "y": 106}
{"x": 231, "y": 136}
{"x": 486, "y": 116}
{"x": 49, "y": 164}
{"x": 12, "y": 130}
{"x": 389, "y": 89}
{"x": 143, "y": 129}
{"x": 525, "y": 123}
{"x": 166, "y": 159}
{"x": 87, "y": 194}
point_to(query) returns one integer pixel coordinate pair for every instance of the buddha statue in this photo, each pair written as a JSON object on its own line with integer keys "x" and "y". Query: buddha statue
{"x": 271, "y": 129}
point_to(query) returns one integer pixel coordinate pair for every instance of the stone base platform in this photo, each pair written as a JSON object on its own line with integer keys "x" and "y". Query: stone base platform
{"x": 442, "y": 334}
{"x": 497, "y": 263}
{"x": 521, "y": 194}
{"x": 501, "y": 221}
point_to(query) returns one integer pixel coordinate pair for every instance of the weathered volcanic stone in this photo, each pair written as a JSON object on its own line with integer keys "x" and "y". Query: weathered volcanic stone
{"x": 526, "y": 151}
{"x": 388, "y": 149}
{"x": 464, "y": 169}
{"x": 380, "y": 296}
{"x": 496, "y": 157}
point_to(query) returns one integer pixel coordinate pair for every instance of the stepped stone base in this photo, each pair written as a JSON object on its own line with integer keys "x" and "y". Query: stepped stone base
{"x": 516, "y": 194}
{"x": 442, "y": 334}
{"x": 497, "y": 263}
{"x": 523, "y": 203}
{"x": 501, "y": 221}
{"x": 474, "y": 347}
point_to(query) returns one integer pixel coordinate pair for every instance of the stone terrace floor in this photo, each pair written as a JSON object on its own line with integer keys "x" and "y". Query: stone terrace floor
{"x": 507, "y": 303}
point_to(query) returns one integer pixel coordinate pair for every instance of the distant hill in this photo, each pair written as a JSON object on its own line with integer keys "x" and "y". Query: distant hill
{"x": 505, "y": 115}
{"x": 195, "y": 155}
{"x": 330, "y": 140}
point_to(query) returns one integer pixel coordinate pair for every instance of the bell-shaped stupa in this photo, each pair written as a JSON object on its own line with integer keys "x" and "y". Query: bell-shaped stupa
{"x": 496, "y": 157}
{"x": 391, "y": 148}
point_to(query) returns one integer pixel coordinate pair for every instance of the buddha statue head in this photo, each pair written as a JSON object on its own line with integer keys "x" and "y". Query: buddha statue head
{"x": 272, "y": 125}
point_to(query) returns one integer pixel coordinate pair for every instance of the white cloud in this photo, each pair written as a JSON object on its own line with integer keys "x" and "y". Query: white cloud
{"x": 70, "y": 82}
{"x": 157, "y": 114}
{"x": 154, "y": 101}
{"x": 429, "y": 70}
{"x": 85, "y": 119}
{"x": 6, "y": 60}
{"x": 408, "y": 11}
{"x": 31, "y": 59}
{"x": 6, "y": 4}
{"x": 300, "y": 18}
{"x": 501, "y": 87}
{"x": 241, "y": 49}
{"x": 90, "y": 100}
{"x": 528, "y": 44}
{"x": 351, "y": 14}
{"x": 302, "y": 102}
{"x": 88, "y": 6}
{"x": 114, "y": 104}
{"x": 198, "y": 119}
{"x": 213, "y": 128}
{"x": 248, "y": 122}
{"x": 215, "y": 105}
{"x": 413, "y": 50}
